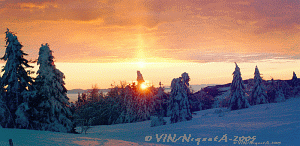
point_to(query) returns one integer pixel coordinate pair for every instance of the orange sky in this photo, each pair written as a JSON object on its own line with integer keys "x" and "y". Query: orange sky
{"x": 156, "y": 31}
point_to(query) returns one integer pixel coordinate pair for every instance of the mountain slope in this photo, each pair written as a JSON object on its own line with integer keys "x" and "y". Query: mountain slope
{"x": 275, "y": 122}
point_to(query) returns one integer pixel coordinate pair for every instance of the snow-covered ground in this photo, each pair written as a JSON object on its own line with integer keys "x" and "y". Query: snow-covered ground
{"x": 275, "y": 122}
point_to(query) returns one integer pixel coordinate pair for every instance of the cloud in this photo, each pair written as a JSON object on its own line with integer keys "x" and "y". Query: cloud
{"x": 170, "y": 29}
{"x": 233, "y": 57}
{"x": 30, "y": 10}
{"x": 112, "y": 12}
{"x": 277, "y": 15}
{"x": 215, "y": 55}
{"x": 267, "y": 15}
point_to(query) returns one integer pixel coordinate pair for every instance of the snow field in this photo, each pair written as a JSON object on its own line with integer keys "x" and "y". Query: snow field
{"x": 273, "y": 122}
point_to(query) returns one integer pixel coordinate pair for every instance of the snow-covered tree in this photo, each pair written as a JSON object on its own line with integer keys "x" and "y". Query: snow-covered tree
{"x": 158, "y": 107}
{"x": 286, "y": 89}
{"x": 185, "y": 80}
{"x": 259, "y": 92}
{"x": 216, "y": 103}
{"x": 128, "y": 106}
{"x": 93, "y": 94}
{"x": 295, "y": 85}
{"x": 145, "y": 104}
{"x": 179, "y": 101}
{"x": 271, "y": 90}
{"x": 159, "y": 100}
{"x": 16, "y": 81}
{"x": 52, "y": 104}
{"x": 140, "y": 79}
{"x": 279, "y": 96}
{"x": 238, "y": 99}
{"x": 131, "y": 114}
{"x": 5, "y": 116}
{"x": 294, "y": 80}
{"x": 275, "y": 91}
{"x": 143, "y": 111}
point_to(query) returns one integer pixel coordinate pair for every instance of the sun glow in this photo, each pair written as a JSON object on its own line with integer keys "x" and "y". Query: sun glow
{"x": 141, "y": 64}
{"x": 144, "y": 86}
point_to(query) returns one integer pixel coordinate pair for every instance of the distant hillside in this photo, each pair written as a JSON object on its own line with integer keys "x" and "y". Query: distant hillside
{"x": 199, "y": 87}
{"x": 213, "y": 89}
{"x": 217, "y": 90}
{"x": 194, "y": 87}
{"x": 75, "y": 91}
{"x": 167, "y": 89}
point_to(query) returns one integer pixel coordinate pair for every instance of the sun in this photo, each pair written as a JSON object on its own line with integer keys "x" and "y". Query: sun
{"x": 144, "y": 86}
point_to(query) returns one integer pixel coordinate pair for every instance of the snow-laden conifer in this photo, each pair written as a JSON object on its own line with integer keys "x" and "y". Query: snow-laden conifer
{"x": 286, "y": 89}
{"x": 159, "y": 111}
{"x": 140, "y": 78}
{"x": 130, "y": 109}
{"x": 185, "y": 80}
{"x": 16, "y": 80}
{"x": 275, "y": 91}
{"x": 179, "y": 101}
{"x": 279, "y": 96}
{"x": 143, "y": 112}
{"x": 238, "y": 99}
{"x": 159, "y": 101}
{"x": 259, "y": 92}
{"x": 5, "y": 116}
{"x": 295, "y": 85}
{"x": 271, "y": 90}
{"x": 127, "y": 106}
{"x": 53, "y": 112}
{"x": 294, "y": 80}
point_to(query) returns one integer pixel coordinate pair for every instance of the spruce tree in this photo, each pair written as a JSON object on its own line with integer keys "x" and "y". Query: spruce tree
{"x": 143, "y": 111}
{"x": 5, "y": 116}
{"x": 157, "y": 106}
{"x": 286, "y": 89}
{"x": 179, "y": 100}
{"x": 16, "y": 82}
{"x": 271, "y": 90}
{"x": 294, "y": 80}
{"x": 238, "y": 99}
{"x": 275, "y": 91}
{"x": 279, "y": 96}
{"x": 259, "y": 92}
{"x": 52, "y": 105}
{"x": 130, "y": 106}
{"x": 140, "y": 79}
{"x": 127, "y": 107}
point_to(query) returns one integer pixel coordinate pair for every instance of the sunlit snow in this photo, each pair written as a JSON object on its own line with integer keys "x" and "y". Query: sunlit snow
{"x": 273, "y": 122}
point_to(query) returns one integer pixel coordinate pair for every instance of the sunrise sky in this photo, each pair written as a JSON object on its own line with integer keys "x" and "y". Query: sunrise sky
{"x": 106, "y": 41}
